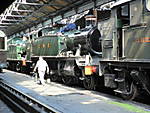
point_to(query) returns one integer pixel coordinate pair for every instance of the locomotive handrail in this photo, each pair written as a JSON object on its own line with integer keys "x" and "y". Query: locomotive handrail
{"x": 135, "y": 26}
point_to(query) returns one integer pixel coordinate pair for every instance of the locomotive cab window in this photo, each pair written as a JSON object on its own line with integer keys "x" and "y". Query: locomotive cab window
{"x": 148, "y": 5}
{"x": 2, "y": 43}
{"x": 123, "y": 15}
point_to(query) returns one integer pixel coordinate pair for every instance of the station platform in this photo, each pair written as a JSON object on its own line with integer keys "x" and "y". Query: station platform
{"x": 71, "y": 99}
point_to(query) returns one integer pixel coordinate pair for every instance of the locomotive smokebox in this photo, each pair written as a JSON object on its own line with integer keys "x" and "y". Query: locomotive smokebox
{"x": 88, "y": 38}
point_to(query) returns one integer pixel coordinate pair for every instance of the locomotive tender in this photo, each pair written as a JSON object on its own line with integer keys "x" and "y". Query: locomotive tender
{"x": 126, "y": 60}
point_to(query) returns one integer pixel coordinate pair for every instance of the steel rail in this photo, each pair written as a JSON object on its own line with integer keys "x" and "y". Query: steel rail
{"x": 21, "y": 102}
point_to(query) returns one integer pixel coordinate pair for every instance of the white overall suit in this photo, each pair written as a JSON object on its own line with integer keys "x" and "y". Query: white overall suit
{"x": 41, "y": 65}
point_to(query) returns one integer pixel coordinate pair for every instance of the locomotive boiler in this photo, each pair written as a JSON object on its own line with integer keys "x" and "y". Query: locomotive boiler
{"x": 126, "y": 59}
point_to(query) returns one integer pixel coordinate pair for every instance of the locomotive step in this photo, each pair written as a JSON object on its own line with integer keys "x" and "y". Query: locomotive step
{"x": 121, "y": 92}
{"x": 119, "y": 80}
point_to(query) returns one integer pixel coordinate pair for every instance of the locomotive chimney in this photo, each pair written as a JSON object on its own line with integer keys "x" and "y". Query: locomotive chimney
{"x": 90, "y": 21}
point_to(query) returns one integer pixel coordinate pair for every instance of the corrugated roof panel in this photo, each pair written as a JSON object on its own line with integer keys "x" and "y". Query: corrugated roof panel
{"x": 60, "y": 2}
{"x": 37, "y": 11}
{"x": 39, "y": 14}
{"x": 49, "y": 8}
{"x": 32, "y": 18}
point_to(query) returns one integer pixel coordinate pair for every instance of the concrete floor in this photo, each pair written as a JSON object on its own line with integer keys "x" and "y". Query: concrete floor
{"x": 72, "y": 100}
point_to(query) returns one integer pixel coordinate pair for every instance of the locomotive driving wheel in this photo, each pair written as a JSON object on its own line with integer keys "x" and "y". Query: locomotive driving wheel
{"x": 131, "y": 91}
{"x": 18, "y": 67}
{"x": 67, "y": 80}
{"x": 54, "y": 78}
{"x": 89, "y": 82}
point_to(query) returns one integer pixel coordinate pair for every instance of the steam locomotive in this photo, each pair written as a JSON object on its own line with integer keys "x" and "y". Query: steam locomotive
{"x": 119, "y": 57}
{"x": 3, "y": 50}
{"x": 126, "y": 60}
{"x": 18, "y": 58}
{"x": 72, "y": 55}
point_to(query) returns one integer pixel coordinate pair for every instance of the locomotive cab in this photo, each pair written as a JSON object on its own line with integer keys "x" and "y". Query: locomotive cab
{"x": 126, "y": 60}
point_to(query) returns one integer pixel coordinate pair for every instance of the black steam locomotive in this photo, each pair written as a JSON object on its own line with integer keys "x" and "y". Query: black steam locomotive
{"x": 72, "y": 55}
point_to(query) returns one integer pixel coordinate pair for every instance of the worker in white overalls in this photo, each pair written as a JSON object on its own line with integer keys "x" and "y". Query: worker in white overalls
{"x": 42, "y": 67}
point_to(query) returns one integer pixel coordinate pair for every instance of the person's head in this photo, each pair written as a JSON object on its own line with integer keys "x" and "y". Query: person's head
{"x": 40, "y": 58}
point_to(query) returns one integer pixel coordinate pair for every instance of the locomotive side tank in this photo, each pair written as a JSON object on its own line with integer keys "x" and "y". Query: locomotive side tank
{"x": 126, "y": 61}
{"x": 18, "y": 54}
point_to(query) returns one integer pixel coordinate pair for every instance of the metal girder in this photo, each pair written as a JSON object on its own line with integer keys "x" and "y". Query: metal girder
{"x": 17, "y": 10}
{"x": 18, "y": 16}
{"x": 57, "y": 5}
{"x": 13, "y": 20}
{"x": 34, "y": 4}
{"x": 6, "y": 23}
{"x": 45, "y": 10}
{"x": 3, "y": 26}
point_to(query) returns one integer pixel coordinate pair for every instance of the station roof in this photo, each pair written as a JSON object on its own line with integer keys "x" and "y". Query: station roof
{"x": 22, "y": 14}
{"x": 120, "y": 2}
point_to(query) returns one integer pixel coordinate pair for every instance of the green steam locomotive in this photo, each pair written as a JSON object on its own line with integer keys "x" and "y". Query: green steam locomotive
{"x": 18, "y": 58}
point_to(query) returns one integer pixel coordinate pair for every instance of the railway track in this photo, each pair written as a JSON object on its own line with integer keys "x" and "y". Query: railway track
{"x": 22, "y": 103}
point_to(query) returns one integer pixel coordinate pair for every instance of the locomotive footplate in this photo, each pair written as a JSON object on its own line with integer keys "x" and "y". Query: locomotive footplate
{"x": 54, "y": 58}
{"x": 131, "y": 76}
{"x": 128, "y": 63}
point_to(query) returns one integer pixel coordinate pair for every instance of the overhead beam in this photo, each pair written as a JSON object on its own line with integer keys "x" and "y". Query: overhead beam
{"x": 52, "y": 4}
{"x": 27, "y": 3}
{"x": 12, "y": 20}
{"x": 3, "y": 26}
{"x": 18, "y": 10}
{"x": 6, "y": 23}
{"x": 19, "y": 16}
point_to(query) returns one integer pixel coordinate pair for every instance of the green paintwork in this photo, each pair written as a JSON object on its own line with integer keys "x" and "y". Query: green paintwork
{"x": 13, "y": 52}
{"x": 52, "y": 43}
{"x": 48, "y": 45}
{"x": 132, "y": 108}
{"x": 16, "y": 47}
